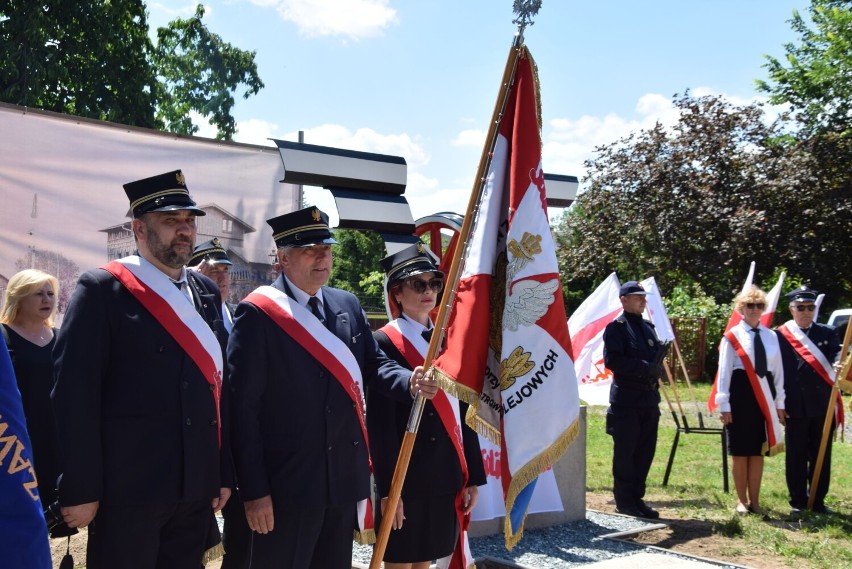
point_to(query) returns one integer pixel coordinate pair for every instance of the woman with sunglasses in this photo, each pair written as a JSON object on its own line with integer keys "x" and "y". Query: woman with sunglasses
{"x": 440, "y": 485}
{"x": 750, "y": 397}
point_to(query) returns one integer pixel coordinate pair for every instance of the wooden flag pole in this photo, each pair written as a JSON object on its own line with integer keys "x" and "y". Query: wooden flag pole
{"x": 453, "y": 276}
{"x": 829, "y": 416}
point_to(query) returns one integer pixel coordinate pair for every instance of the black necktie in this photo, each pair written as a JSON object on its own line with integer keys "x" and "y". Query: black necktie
{"x": 427, "y": 334}
{"x": 314, "y": 303}
{"x": 178, "y": 284}
{"x": 759, "y": 354}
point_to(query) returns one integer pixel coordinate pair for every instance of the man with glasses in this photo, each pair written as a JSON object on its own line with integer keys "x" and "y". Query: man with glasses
{"x": 298, "y": 357}
{"x": 810, "y": 353}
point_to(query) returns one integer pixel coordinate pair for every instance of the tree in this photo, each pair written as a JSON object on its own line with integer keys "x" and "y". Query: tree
{"x": 96, "y": 60}
{"x": 697, "y": 203}
{"x": 356, "y": 266}
{"x": 199, "y": 73}
{"x": 815, "y": 77}
{"x": 87, "y": 59}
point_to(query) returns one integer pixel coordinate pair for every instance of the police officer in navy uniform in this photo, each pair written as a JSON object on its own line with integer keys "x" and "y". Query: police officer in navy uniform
{"x": 807, "y": 399}
{"x": 631, "y": 350}
{"x": 144, "y": 451}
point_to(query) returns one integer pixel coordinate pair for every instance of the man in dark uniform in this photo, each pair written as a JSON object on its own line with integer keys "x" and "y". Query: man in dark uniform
{"x": 810, "y": 352}
{"x": 631, "y": 352}
{"x": 211, "y": 260}
{"x": 298, "y": 358}
{"x": 139, "y": 364}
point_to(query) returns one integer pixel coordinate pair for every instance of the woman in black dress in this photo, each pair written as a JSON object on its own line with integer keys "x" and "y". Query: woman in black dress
{"x": 29, "y": 309}
{"x": 750, "y": 395}
{"x": 440, "y": 487}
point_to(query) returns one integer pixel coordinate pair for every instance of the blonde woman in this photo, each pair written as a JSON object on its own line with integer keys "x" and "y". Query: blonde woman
{"x": 29, "y": 310}
{"x": 751, "y": 396}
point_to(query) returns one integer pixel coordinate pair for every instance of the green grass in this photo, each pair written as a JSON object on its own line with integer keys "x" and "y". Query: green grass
{"x": 695, "y": 490}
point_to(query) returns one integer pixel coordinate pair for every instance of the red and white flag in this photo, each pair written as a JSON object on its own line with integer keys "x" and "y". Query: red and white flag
{"x": 508, "y": 350}
{"x": 655, "y": 311}
{"x": 586, "y": 327}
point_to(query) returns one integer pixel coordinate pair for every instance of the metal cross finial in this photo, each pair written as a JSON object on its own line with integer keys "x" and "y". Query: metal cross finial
{"x": 525, "y": 10}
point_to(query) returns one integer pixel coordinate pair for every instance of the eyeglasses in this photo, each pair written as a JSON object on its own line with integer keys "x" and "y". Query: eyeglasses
{"x": 753, "y": 305}
{"x": 808, "y": 307}
{"x": 420, "y": 286}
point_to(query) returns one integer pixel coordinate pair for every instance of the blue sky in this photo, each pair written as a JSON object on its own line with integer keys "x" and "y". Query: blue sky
{"x": 419, "y": 78}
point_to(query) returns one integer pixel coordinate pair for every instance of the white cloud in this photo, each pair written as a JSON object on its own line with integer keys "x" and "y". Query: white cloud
{"x": 352, "y": 19}
{"x": 256, "y": 131}
{"x": 470, "y": 137}
{"x": 568, "y": 142}
{"x": 184, "y": 11}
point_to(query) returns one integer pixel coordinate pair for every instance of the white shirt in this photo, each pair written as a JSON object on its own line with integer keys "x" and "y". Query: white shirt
{"x": 729, "y": 360}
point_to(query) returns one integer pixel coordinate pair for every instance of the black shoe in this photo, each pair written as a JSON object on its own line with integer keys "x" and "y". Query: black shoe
{"x": 630, "y": 511}
{"x": 822, "y": 509}
{"x": 795, "y": 512}
{"x": 647, "y": 512}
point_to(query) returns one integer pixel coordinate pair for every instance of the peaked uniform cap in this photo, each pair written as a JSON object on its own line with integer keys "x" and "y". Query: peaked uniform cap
{"x": 412, "y": 260}
{"x": 164, "y": 192}
{"x": 802, "y": 294}
{"x": 631, "y": 287}
{"x": 211, "y": 251}
{"x": 301, "y": 228}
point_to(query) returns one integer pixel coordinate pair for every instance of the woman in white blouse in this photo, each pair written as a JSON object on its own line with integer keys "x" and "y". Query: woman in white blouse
{"x": 750, "y": 396}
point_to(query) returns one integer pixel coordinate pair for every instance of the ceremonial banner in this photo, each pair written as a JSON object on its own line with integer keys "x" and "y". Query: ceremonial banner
{"x": 23, "y": 533}
{"x": 586, "y": 327}
{"x": 490, "y": 505}
{"x": 508, "y": 349}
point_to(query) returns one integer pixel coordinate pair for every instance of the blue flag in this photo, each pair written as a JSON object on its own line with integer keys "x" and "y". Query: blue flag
{"x": 23, "y": 533}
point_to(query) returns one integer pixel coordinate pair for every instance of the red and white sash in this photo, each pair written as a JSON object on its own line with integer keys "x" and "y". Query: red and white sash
{"x": 176, "y": 314}
{"x": 740, "y": 340}
{"x": 307, "y": 331}
{"x": 407, "y": 339}
{"x": 814, "y": 357}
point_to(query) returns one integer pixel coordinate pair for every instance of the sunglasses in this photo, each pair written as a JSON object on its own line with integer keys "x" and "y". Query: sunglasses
{"x": 420, "y": 287}
{"x": 753, "y": 305}
{"x": 808, "y": 307}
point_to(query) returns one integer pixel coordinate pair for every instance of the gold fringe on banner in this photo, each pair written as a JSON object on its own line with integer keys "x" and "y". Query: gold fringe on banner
{"x": 530, "y": 472}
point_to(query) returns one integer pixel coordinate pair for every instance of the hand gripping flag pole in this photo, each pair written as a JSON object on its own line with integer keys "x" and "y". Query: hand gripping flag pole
{"x": 452, "y": 279}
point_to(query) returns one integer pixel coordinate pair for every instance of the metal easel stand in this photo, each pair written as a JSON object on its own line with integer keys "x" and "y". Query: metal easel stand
{"x": 701, "y": 430}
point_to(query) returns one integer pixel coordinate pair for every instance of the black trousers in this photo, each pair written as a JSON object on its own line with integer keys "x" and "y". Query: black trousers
{"x": 306, "y": 538}
{"x": 149, "y": 537}
{"x": 803, "y": 436}
{"x": 236, "y": 534}
{"x": 634, "y": 437}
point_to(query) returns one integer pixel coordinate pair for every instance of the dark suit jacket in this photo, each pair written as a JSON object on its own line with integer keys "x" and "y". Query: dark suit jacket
{"x": 806, "y": 392}
{"x": 296, "y": 436}
{"x": 137, "y": 420}
{"x": 434, "y": 468}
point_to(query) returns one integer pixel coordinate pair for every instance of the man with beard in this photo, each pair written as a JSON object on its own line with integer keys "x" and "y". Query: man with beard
{"x": 139, "y": 364}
